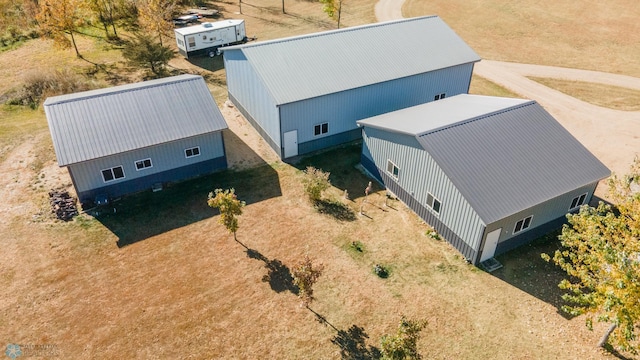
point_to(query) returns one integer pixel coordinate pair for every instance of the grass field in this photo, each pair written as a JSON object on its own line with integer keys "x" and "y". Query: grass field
{"x": 160, "y": 278}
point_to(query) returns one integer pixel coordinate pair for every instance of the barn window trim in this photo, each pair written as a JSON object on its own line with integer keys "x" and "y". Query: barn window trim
{"x": 320, "y": 129}
{"x": 112, "y": 174}
{"x": 578, "y": 201}
{"x": 192, "y": 152}
{"x": 143, "y": 164}
{"x": 393, "y": 169}
{"x": 433, "y": 203}
{"x": 523, "y": 224}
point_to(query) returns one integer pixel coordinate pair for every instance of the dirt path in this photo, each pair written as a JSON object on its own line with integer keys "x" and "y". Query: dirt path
{"x": 611, "y": 135}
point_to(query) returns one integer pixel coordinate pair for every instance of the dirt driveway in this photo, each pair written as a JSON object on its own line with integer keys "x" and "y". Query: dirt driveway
{"x": 613, "y": 136}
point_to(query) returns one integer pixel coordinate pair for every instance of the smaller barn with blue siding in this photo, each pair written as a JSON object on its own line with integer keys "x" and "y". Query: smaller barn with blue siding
{"x": 128, "y": 138}
{"x": 487, "y": 173}
{"x": 305, "y": 93}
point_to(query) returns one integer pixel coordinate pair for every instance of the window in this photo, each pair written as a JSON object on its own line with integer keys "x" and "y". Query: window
{"x": 523, "y": 224}
{"x": 143, "y": 164}
{"x": 192, "y": 41}
{"x": 392, "y": 169}
{"x": 112, "y": 174}
{"x": 433, "y": 203}
{"x": 180, "y": 42}
{"x": 191, "y": 152}
{"x": 439, "y": 96}
{"x": 578, "y": 201}
{"x": 321, "y": 129}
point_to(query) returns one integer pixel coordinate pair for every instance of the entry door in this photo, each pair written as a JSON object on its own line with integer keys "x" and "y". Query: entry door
{"x": 290, "y": 143}
{"x": 490, "y": 245}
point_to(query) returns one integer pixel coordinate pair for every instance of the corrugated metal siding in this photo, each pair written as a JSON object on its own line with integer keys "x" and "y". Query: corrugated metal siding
{"x": 146, "y": 182}
{"x": 512, "y": 160}
{"x": 329, "y": 141}
{"x": 420, "y": 174}
{"x": 256, "y": 126}
{"x": 349, "y": 58}
{"x": 342, "y": 110}
{"x": 104, "y": 122}
{"x": 247, "y": 89}
{"x": 543, "y": 213}
{"x": 88, "y": 175}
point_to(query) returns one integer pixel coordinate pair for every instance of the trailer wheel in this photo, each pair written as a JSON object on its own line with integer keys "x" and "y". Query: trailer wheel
{"x": 212, "y": 53}
{"x": 218, "y": 52}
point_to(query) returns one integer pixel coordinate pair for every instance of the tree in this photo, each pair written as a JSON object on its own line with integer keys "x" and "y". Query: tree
{"x": 601, "y": 255}
{"x": 146, "y": 53}
{"x": 333, "y": 8}
{"x": 155, "y": 16}
{"x": 230, "y": 208}
{"x": 315, "y": 182}
{"x": 305, "y": 275}
{"x": 58, "y": 18}
{"x": 105, "y": 10}
{"x": 404, "y": 344}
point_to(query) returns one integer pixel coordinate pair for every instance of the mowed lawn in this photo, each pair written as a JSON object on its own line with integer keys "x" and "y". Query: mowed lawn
{"x": 160, "y": 278}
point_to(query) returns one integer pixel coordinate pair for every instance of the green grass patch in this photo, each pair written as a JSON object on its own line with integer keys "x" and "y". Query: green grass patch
{"x": 482, "y": 86}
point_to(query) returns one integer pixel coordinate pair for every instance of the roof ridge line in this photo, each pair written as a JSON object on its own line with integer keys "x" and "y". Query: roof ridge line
{"x": 104, "y": 92}
{"x": 333, "y": 31}
{"x": 477, "y": 118}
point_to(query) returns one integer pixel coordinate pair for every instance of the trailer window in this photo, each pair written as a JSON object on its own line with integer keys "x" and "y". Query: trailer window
{"x": 192, "y": 41}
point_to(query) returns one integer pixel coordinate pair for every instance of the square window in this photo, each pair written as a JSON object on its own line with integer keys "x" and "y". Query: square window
{"x": 442, "y": 96}
{"x": 392, "y": 169}
{"x": 433, "y": 203}
{"x": 107, "y": 175}
{"x": 578, "y": 201}
{"x": 321, "y": 129}
{"x": 113, "y": 173}
{"x": 437, "y": 97}
{"x": 191, "y": 152}
{"x": 522, "y": 224}
{"x": 143, "y": 164}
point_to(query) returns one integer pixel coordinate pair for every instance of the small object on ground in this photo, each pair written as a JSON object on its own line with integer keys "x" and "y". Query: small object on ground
{"x": 63, "y": 205}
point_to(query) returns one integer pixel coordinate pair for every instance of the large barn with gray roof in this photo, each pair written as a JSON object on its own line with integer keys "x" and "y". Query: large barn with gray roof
{"x": 487, "y": 173}
{"x": 305, "y": 93}
{"x": 130, "y": 138}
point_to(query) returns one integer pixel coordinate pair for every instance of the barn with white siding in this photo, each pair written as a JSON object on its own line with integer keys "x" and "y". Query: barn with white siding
{"x": 129, "y": 138}
{"x": 306, "y": 93}
{"x": 488, "y": 173}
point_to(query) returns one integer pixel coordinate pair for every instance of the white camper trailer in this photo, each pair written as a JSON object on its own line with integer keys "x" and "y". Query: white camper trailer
{"x": 205, "y": 39}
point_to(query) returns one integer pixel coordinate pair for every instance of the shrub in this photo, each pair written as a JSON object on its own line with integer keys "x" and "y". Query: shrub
{"x": 381, "y": 271}
{"x": 40, "y": 85}
{"x": 316, "y": 181}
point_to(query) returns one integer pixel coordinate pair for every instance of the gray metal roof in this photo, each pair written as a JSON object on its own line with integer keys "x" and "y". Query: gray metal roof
{"x": 503, "y": 155}
{"x": 308, "y": 66}
{"x": 207, "y": 26}
{"x": 97, "y": 123}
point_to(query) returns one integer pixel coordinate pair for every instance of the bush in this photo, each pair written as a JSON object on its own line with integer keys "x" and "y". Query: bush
{"x": 316, "y": 181}
{"x": 381, "y": 271}
{"x": 38, "y": 86}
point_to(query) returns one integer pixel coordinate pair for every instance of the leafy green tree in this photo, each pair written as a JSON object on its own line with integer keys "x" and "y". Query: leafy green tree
{"x": 144, "y": 52}
{"x": 105, "y": 10}
{"x": 59, "y": 18}
{"x": 155, "y": 16}
{"x": 404, "y": 343}
{"x": 315, "y": 182}
{"x": 601, "y": 255}
{"x": 230, "y": 208}
{"x": 333, "y": 9}
{"x": 305, "y": 275}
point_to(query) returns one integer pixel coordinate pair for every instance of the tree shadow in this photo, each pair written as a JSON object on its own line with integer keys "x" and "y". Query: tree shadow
{"x": 353, "y": 346}
{"x": 352, "y": 342}
{"x": 611, "y": 350}
{"x": 336, "y": 209}
{"x": 278, "y": 274}
{"x": 524, "y": 268}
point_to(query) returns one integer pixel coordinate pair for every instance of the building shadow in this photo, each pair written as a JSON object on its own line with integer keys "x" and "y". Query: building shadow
{"x": 341, "y": 163}
{"x": 140, "y": 216}
{"x": 524, "y": 268}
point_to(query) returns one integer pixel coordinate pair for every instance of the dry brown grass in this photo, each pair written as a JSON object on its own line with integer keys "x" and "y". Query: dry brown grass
{"x": 612, "y": 97}
{"x": 589, "y": 34}
{"x": 182, "y": 288}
